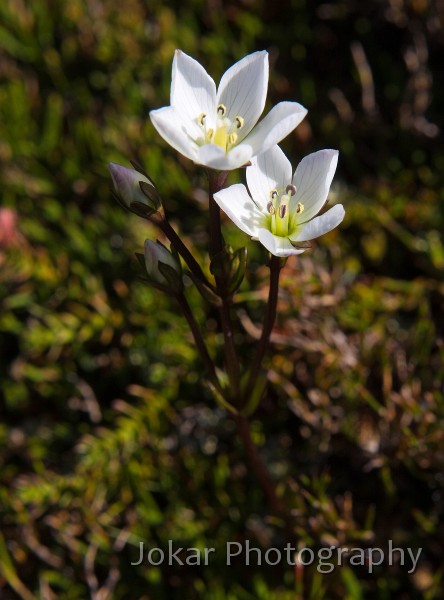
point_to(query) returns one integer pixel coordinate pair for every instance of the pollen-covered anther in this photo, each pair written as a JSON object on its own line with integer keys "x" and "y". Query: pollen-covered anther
{"x": 273, "y": 194}
{"x": 291, "y": 189}
{"x": 232, "y": 138}
{"x": 300, "y": 208}
{"x": 282, "y": 210}
{"x": 201, "y": 119}
{"x": 270, "y": 208}
{"x": 239, "y": 122}
{"x": 221, "y": 110}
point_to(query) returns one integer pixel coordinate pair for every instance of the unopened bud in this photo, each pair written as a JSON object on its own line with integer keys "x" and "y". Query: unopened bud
{"x": 162, "y": 266}
{"x": 134, "y": 189}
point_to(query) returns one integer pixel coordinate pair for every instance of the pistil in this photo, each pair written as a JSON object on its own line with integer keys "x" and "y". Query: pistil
{"x": 281, "y": 211}
{"x": 225, "y": 135}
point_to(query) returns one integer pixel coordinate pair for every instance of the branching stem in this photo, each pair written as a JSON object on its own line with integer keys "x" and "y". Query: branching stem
{"x": 189, "y": 259}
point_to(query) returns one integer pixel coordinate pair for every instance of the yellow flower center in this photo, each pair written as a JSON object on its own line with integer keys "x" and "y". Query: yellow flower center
{"x": 224, "y": 135}
{"x": 283, "y": 211}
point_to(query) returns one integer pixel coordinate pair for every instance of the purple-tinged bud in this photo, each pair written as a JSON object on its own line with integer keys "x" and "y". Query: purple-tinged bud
{"x": 134, "y": 189}
{"x": 162, "y": 266}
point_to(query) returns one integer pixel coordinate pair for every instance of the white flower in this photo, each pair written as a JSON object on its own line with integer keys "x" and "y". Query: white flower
{"x": 280, "y": 211}
{"x": 217, "y": 128}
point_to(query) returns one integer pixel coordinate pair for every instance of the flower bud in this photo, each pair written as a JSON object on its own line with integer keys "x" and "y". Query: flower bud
{"x": 162, "y": 266}
{"x": 134, "y": 190}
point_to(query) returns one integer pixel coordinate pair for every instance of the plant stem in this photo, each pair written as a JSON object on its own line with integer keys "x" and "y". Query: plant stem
{"x": 232, "y": 362}
{"x": 269, "y": 319}
{"x": 257, "y": 464}
{"x": 200, "y": 344}
{"x": 217, "y": 181}
{"x": 189, "y": 259}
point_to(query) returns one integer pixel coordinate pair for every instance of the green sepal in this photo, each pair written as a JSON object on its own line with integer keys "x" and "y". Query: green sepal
{"x": 142, "y": 210}
{"x": 173, "y": 278}
{"x": 151, "y": 194}
{"x": 220, "y": 264}
{"x": 220, "y": 400}
{"x": 300, "y": 245}
{"x": 138, "y": 167}
{"x": 141, "y": 259}
{"x": 229, "y": 267}
{"x": 119, "y": 201}
{"x": 238, "y": 266}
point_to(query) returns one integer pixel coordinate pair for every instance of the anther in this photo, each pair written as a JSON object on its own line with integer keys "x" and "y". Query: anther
{"x": 201, "y": 119}
{"x": 282, "y": 210}
{"x": 232, "y": 138}
{"x": 290, "y": 189}
{"x": 299, "y": 208}
{"x": 273, "y": 194}
{"x": 239, "y": 122}
{"x": 271, "y": 208}
{"x": 221, "y": 110}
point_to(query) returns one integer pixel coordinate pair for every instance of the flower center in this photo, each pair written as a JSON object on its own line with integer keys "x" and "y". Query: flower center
{"x": 283, "y": 212}
{"x": 225, "y": 134}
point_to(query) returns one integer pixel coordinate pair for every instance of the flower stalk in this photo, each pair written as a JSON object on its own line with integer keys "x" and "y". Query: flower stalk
{"x": 216, "y": 182}
{"x": 181, "y": 248}
{"x": 269, "y": 320}
{"x": 216, "y": 243}
{"x": 200, "y": 344}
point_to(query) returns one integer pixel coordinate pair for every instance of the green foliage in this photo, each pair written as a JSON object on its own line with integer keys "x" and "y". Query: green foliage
{"x": 108, "y": 436}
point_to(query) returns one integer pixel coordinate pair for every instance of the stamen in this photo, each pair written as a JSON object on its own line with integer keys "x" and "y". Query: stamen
{"x": 291, "y": 189}
{"x": 210, "y": 134}
{"x": 271, "y": 208}
{"x": 282, "y": 210}
{"x": 239, "y": 122}
{"x": 232, "y": 139}
{"x": 201, "y": 119}
{"x": 273, "y": 194}
{"x": 300, "y": 208}
{"x": 221, "y": 110}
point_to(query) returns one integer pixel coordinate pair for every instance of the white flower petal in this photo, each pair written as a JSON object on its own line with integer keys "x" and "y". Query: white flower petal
{"x": 171, "y": 127}
{"x": 193, "y": 92}
{"x": 237, "y": 204}
{"x": 312, "y": 179}
{"x": 319, "y": 225}
{"x": 279, "y": 122}
{"x": 270, "y": 170}
{"x": 279, "y": 246}
{"x": 214, "y": 156}
{"x": 243, "y": 90}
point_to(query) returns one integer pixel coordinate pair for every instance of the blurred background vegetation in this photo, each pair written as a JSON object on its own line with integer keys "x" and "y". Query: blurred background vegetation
{"x": 108, "y": 436}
